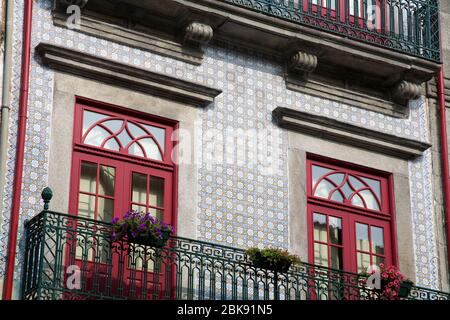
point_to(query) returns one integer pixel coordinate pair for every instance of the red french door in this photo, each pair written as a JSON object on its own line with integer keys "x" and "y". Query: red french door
{"x": 374, "y": 15}
{"x": 94, "y": 195}
{"x": 150, "y": 191}
{"x": 121, "y": 162}
{"x": 341, "y": 10}
{"x": 349, "y": 216}
{"x": 347, "y": 242}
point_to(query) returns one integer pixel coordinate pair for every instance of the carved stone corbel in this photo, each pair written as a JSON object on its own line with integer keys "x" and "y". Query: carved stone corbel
{"x": 198, "y": 34}
{"x": 405, "y": 91}
{"x": 302, "y": 63}
{"x": 80, "y": 3}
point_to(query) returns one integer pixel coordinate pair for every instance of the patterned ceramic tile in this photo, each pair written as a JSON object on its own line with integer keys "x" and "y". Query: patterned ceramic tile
{"x": 238, "y": 205}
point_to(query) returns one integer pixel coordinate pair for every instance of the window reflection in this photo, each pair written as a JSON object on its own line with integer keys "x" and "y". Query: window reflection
{"x": 89, "y": 118}
{"x": 336, "y": 260}
{"x": 86, "y": 206}
{"x": 362, "y": 237}
{"x": 335, "y": 230}
{"x": 318, "y": 172}
{"x": 320, "y": 227}
{"x": 321, "y": 254}
{"x": 363, "y": 261}
{"x": 139, "y": 188}
{"x": 147, "y": 192}
{"x": 156, "y": 192}
{"x": 88, "y": 177}
{"x": 107, "y": 177}
{"x": 105, "y": 209}
{"x": 377, "y": 240}
{"x": 96, "y": 136}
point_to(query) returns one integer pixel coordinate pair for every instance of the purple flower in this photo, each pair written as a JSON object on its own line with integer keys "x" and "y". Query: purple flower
{"x": 158, "y": 232}
{"x": 134, "y": 234}
{"x": 152, "y": 220}
{"x": 142, "y": 227}
{"x": 115, "y": 220}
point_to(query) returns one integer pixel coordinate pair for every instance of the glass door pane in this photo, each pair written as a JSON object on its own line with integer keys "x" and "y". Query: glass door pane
{"x": 328, "y": 253}
{"x": 328, "y": 241}
{"x": 96, "y": 200}
{"x": 370, "y": 244}
{"x": 147, "y": 195}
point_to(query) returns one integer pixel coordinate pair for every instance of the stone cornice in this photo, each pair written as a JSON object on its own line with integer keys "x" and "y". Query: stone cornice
{"x": 143, "y": 39}
{"x": 104, "y": 70}
{"x": 334, "y": 130}
{"x": 327, "y": 43}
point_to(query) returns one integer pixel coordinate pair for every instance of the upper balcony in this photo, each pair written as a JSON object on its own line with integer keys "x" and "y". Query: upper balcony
{"x": 59, "y": 244}
{"x": 362, "y": 52}
{"x": 407, "y": 26}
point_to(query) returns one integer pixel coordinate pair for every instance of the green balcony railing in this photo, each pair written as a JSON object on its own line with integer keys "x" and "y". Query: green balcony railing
{"x": 408, "y": 26}
{"x": 69, "y": 257}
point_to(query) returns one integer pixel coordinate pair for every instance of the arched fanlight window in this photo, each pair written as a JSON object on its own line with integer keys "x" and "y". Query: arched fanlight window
{"x": 344, "y": 187}
{"x": 123, "y": 135}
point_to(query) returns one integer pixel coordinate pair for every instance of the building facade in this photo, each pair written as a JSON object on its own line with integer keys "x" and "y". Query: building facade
{"x": 312, "y": 127}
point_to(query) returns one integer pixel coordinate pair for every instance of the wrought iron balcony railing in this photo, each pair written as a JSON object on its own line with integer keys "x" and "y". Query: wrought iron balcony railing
{"x": 61, "y": 247}
{"x": 408, "y": 26}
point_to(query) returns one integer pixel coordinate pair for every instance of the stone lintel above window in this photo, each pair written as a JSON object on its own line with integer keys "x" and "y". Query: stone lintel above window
{"x": 349, "y": 134}
{"x": 127, "y": 76}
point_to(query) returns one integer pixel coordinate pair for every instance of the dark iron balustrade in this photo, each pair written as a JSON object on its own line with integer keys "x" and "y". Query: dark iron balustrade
{"x": 57, "y": 245}
{"x": 408, "y": 26}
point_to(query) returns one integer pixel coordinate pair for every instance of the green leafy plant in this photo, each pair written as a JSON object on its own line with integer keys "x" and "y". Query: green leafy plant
{"x": 272, "y": 258}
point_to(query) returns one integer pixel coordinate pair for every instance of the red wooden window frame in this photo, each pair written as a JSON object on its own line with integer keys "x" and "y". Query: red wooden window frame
{"x": 350, "y": 215}
{"x": 125, "y": 164}
{"x": 93, "y": 154}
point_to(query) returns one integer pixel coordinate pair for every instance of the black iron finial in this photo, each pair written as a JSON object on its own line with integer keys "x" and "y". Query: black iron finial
{"x": 47, "y": 195}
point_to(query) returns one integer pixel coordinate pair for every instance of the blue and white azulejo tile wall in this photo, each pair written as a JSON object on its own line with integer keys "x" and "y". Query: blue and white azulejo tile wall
{"x": 237, "y": 205}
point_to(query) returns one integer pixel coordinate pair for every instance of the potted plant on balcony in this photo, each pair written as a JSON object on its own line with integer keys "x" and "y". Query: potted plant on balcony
{"x": 274, "y": 259}
{"x": 141, "y": 228}
{"x": 393, "y": 284}
{"x": 405, "y": 288}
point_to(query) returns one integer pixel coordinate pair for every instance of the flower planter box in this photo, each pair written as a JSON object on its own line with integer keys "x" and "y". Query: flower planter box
{"x": 150, "y": 240}
{"x": 405, "y": 289}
